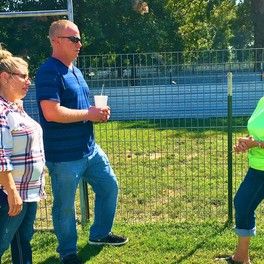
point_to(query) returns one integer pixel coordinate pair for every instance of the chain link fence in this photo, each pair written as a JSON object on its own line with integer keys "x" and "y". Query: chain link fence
{"x": 167, "y": 139}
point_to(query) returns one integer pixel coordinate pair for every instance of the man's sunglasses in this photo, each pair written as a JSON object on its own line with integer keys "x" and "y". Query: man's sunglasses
{"x": 73, "y": 39}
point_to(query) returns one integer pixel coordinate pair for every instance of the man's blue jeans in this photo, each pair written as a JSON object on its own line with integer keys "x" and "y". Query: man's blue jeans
{"x": 248, "y": 197}
{"x": 17, "y": 230}
{"x": 65, "y": 176}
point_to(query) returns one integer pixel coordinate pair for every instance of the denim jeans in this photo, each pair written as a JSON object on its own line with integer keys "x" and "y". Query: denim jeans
{"x": 65, "y": 176}
{"x": 17, "y": 230}
{"x": 247, "y": 198}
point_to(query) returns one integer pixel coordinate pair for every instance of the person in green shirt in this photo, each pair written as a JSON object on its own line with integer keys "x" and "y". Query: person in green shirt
{"x": 251, "y": 190}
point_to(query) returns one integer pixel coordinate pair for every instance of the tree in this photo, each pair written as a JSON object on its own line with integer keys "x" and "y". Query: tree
{"x": 118, "y": 28}
{"x": 243, "y": 26}
{"x": 257, "y": 16}
{"x": 204, "y": 24}
{"x": 113, "y": 26}
{"x": 27, "y": 37}
{"x": 248, "y": 27}
{"x": 257, "y": 13}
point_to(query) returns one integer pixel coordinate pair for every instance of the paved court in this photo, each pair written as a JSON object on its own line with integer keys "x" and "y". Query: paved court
{"x": 190, "y": 96}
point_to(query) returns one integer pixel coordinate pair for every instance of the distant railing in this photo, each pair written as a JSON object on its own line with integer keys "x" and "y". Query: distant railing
{"x": 164, "y": 67}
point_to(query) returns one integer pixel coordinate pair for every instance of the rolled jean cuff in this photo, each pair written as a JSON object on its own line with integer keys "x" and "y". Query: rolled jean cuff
{"x": 246, "y": 232}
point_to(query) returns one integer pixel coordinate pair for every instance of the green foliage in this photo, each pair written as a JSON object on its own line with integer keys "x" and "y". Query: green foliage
{"x": 257, "y": 17}
{"x": 112, "y": 26}
{"x": 204, "y": 24}
{"x": 120, "y": 29}
{"x": 27, "y": 37}
{"x": 243, "y": 26}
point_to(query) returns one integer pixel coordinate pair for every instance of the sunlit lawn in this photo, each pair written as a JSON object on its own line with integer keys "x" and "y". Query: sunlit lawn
{"x": 172, "y": 175}
{"x": 154, "y": 244}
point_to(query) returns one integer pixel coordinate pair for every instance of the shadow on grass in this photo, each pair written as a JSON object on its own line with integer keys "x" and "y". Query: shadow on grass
{"x": 189, "y": 124}
{"x": 51, "y": 260}
{"x": 202, "y": 243}
{"x": 86, "y": 253}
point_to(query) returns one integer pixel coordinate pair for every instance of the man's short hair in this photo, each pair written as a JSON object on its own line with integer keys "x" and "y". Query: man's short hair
{"x": 57, "y": 26}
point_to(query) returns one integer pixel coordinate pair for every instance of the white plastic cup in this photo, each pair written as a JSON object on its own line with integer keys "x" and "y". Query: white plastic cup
{"x": 100, "y": 100}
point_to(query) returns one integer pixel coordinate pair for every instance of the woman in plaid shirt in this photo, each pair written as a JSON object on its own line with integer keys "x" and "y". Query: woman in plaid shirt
{"x": 21, "y": 161}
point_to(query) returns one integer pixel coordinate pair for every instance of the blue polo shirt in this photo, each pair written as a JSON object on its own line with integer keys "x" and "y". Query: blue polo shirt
{"x": 64, "y": 142}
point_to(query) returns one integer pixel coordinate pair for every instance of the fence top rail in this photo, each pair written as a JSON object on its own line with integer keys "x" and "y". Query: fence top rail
{"x": 33, "y": 13}
{"x": 155, "y": 53}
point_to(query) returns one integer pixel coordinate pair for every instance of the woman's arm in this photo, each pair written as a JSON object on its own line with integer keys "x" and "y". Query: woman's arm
{"x": 245, "y": 143}
{"x": 14, "y": 200}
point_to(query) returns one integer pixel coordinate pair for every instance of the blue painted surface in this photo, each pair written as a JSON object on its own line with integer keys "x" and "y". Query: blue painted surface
{"x": 193, "y": 96}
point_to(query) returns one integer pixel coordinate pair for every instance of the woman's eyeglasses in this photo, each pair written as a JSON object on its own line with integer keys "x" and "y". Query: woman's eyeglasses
{"x": 73, "y": 39}
{"x": 21, "y": 75}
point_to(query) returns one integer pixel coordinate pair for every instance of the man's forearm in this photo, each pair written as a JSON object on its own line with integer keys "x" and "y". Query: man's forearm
{"x": 66, "y": 115}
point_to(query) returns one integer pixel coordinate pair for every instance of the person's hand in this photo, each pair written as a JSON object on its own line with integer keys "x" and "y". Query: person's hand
{"x": 99, "y": 114}
{"x": 15, "y": 202}
{"x": 107, "y": 112}
{"x": 244, "y": 143}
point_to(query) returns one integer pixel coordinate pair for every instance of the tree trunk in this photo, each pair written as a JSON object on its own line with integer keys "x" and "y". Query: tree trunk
{"x": 257, "y": 13}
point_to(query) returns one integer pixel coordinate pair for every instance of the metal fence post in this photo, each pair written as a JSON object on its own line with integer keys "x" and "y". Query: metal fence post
{"x": 230, "y": 146}
{"x": 84, "y": 202}
{"x": 84, "y": 198}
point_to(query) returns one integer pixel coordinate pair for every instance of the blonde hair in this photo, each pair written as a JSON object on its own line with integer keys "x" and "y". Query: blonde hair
{"x": 57, "y": 26}
{"x": 10, "y": 63}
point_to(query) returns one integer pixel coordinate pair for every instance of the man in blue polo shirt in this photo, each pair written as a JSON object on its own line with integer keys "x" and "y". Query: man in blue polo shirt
{"x": 67, "y": 120}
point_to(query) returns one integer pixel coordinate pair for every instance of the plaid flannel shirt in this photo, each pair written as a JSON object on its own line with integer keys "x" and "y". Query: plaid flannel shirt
{"x": 21, "y": 150}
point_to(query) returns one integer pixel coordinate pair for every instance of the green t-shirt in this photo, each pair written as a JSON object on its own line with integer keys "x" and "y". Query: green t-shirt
{"x": 256, "y": 130}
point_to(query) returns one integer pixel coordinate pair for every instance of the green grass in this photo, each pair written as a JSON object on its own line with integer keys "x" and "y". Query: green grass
{"x": 168, "y": 171}
{"x": 192, "y": 243}
{"x": 171, "y": 169}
